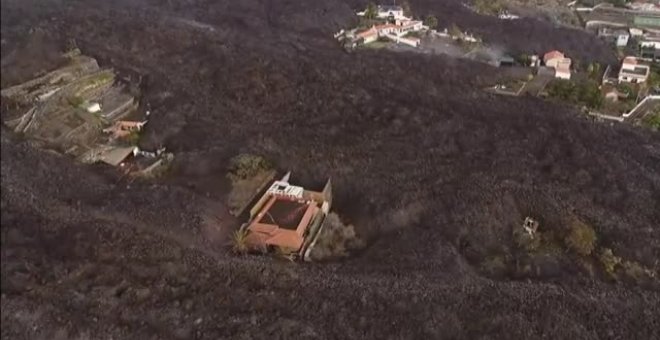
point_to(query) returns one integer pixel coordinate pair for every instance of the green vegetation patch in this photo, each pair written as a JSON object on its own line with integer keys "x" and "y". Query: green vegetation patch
{"x": 586, "y": 92}
{"x": 652, "y": 120}
{"x": 133, "y": 138}
{"x": 581, "y": 238}
{"x": 489, "y": 7}
{"x": 609, "y": 261}
{"x": 239, "y": 241}
{"x": 245, "y": 166}
{"x": 75, "y": 101}
{"x": 431, "y": 21}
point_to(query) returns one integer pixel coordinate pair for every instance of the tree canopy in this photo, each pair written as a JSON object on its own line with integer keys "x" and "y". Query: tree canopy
{"x": 584, "y": 92}
{"x": 431, "y": 21}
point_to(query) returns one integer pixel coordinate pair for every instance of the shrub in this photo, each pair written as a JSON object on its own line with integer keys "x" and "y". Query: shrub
{"x": 652, "y": 121}
{"x": 431, "y": 21}
{"x": 336, "y": 239}
{"x": 494, "y": 265}
{"x": 285, "y": 253}
{"x": 635, "y": 270}
{"x": 549, "y": 245}
{"x": 246, "y": 166}
{"x": 609, "y": 261}
{"x": 526, "y": 241}
{"x": 133, "y": 138}
{"x": 75, "y": 101}
{"x": 239, "y": 242}
{"x": 581, "y": 238}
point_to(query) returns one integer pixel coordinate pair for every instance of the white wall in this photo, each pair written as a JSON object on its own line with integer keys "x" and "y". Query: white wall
{"x": 553, "y": 62}
{"x": 562, "y": 75}
{"x": 654, "y": 44}
{"x": 385, "y": 15}
{"x": 370, "y": 39}
{"x": 622, "y": 40}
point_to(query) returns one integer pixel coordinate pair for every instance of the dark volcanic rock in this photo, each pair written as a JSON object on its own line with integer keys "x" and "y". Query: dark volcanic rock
{"x": 432, "y": 172}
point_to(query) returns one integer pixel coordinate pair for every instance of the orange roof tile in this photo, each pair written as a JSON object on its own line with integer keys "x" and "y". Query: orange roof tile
{"x": 367, "y": 33}
{"x": 630, "y": 60}
{"x": 552, "y": 55}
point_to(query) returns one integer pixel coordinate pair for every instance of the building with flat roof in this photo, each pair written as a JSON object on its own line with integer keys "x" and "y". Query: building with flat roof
{"x": 633, "y": 71}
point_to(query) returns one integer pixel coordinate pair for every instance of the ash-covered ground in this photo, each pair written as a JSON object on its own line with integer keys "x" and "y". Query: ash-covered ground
{"x": 433, "y": 173}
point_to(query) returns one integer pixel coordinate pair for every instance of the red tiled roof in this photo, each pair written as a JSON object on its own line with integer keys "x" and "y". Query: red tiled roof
{"x": 552, "y": 55}
{"x": 367, "y": 33}
{"x": 630, "y": 60}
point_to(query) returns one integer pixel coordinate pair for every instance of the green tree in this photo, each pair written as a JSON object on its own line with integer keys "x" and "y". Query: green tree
{"x": 523, "y": 59}
{"x": 371, "y": 12}
{"x": 431, "y": 21}
{"x": 654, "y": 77}
{"x": 652, "y": 121}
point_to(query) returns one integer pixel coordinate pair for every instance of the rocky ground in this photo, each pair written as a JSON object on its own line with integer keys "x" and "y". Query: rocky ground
{"x": 433, "y": 173}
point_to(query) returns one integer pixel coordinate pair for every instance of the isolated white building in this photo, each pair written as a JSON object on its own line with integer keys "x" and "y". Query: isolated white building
{"x": 390, "y": 11}
{"x": 622, "y": 40}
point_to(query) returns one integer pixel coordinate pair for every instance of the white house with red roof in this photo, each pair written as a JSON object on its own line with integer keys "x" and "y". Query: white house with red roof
{"x": 396, "y": 32}
{"x": 559, "y": 62}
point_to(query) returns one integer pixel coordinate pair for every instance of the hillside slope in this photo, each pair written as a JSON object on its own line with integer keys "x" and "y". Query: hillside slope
{"x": 433, "y": 172}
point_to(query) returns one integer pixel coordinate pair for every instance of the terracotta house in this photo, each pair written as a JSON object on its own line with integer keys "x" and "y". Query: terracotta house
{"x": 552, "y": 58}
{"x": 287, "y": 217}
{"x": 561, "y": 64}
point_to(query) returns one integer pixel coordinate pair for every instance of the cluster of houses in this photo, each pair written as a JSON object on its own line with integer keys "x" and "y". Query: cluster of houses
{"x": 632, "y": 69}
{"x": 646, "y": 42}
{"x": 393, "y": 25}
{"x": 82, "y": 110}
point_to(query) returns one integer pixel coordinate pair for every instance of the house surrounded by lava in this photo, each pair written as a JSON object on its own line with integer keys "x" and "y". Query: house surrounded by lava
{"x": 288, "y": 218}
